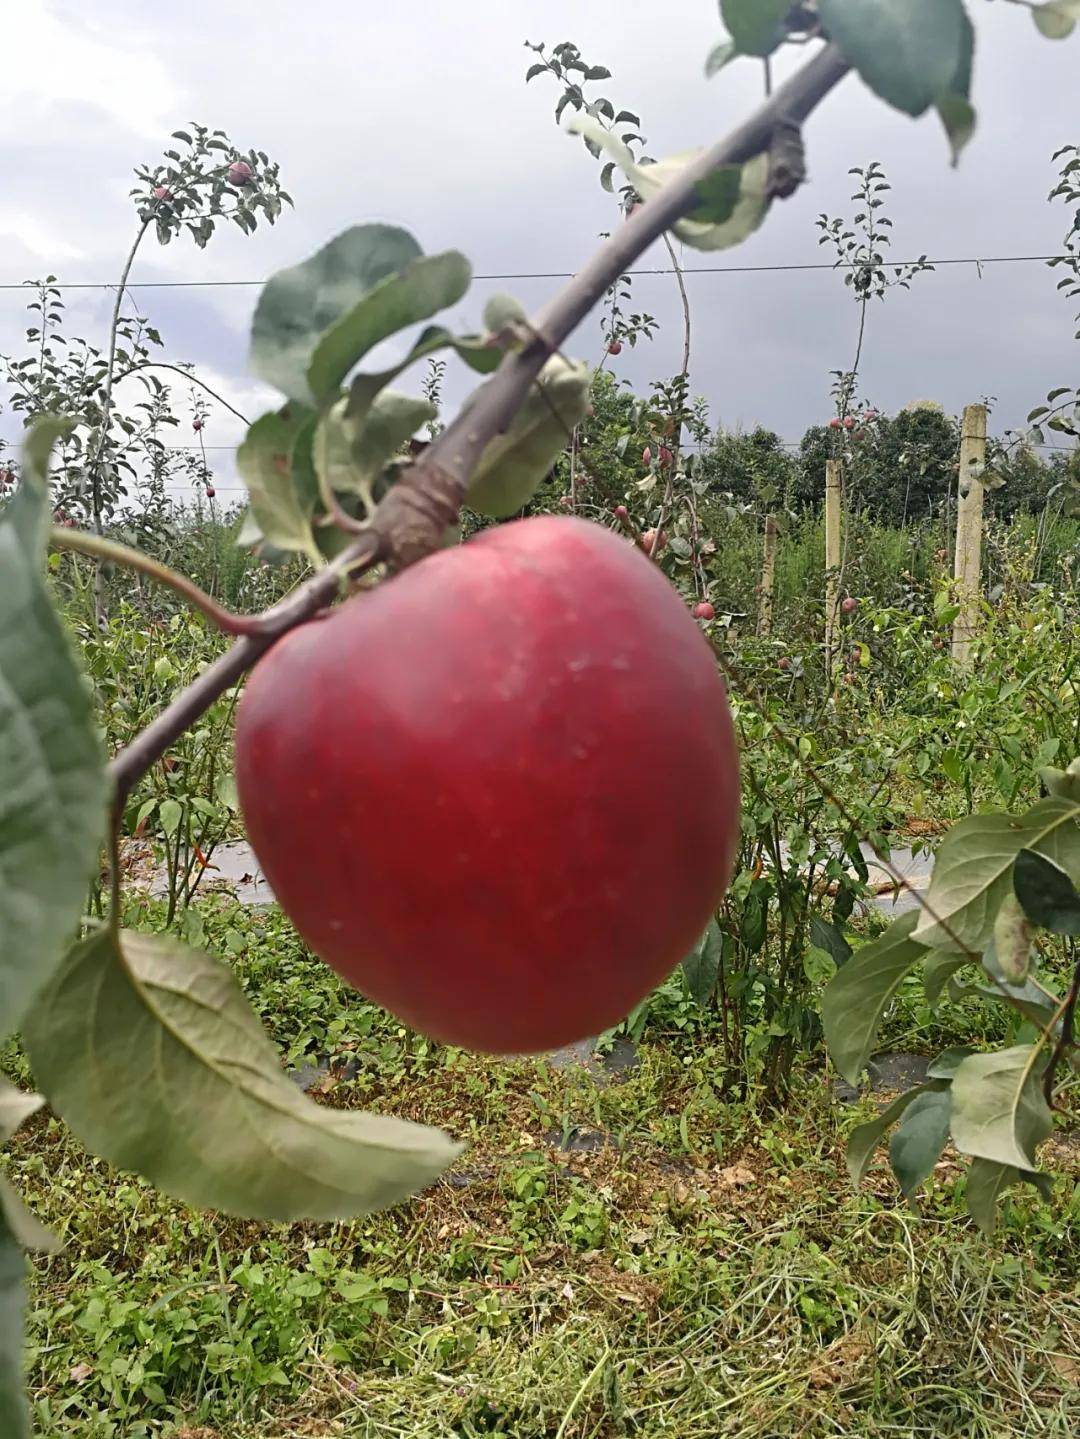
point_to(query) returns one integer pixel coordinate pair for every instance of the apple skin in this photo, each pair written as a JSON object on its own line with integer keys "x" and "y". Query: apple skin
{"x": 499, "y": 793}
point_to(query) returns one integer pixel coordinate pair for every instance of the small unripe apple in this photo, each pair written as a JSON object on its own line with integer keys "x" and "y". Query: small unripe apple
{"x": 239, "y": 173}
{"x": 704, "y": 611}
{"x": 646, "y": 455}
{"x": 849, "y": 605}
{"x": 783, "y": 663}
{"x": 621, "y": 512}
{"x": 653, "y": 538}
{"x": 197, "y": 423}
{"x": 210, "y": 492}
{"x": 438, "y": 780}
{"x": 162, "y": 192}
{"x": 615, "y": 347}
{"x": 834, "y": 423}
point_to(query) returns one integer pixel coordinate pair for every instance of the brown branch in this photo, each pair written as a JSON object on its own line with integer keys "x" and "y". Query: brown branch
{"x": 1065, "y": 1038}
{"x": 410, "y": 522}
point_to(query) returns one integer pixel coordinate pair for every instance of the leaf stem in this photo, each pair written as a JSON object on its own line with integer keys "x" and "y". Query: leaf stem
{"x": 111, "y": 550}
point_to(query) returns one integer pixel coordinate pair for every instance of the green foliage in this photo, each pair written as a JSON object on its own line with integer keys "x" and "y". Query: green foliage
{"x": 913, "y": 53}
{"x": 854, "y": 1002}
{"x": 52, "y": 786}
{"x": 151, "y": 1054}
{"x": 756, "y": 25}
{"x": 315, "y": 321}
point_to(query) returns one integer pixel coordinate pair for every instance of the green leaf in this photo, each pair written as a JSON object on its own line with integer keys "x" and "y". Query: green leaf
{"x": 1063, "y": 783}
{"x": 423, "y": 288}
{"x": 864, "y": 1138}
{"x": 14, "y": 1415}
{"x": 719, "y": 56}
{"x": 972, "y": 870}
{"x": 475, "y": 350}
{"x": 53, "y": 787}
{"x": 1057, "y": 19}
{"x": 938, "y": 969}
{"x": 908, "y": 51}
{"x": 947, "y": 1063}
{"x": 170, "y": 814}
{"x": 727, "y": 214}
{"x": 856, "y": 997}
{"x": 829, "y": 938}
{"x": 1013, "y": 934}
{"x": 919, "y": 1138}
{"x": 1047, "y": 894}
{"x": 150, "y": 1052}
{"x": 514, "y": 463}
{"x": 392, "y": 419}
{"x": 755, "y": 25}
{"x": 282, "y": 507}
{"x": 314, "y": 321}
{"x": 999, "y": 1111}
{"x": 959, "y": 118}
{"x": 987, "y": 1180}
{"x": 701, "y": 966}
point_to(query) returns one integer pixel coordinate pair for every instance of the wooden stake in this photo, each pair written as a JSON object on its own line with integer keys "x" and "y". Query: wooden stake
{"x": 768, "y": 577}
{"x": 967, "y": 570}
{"x": 832, "y": 560}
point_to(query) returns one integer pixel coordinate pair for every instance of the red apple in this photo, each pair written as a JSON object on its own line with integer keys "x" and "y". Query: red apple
{"x": 444, "y": 782}
{"x": 653, "y": 538}
{"x": 834, "y": 423}
{"x": 162, "y": 192}
{"x": 783, "y": 663}
{"x": 646, "y": 455}
{"x": 849, "y": 423}
{"x": 621, "y": 512}
{"x": 615, "y": 347}
{"x": 704, "y": 611}
{"x": 239, "y": 173}
{"x": 565, "y": 501}
{"x": 210, "y": 492}
{"x": 666, "y": 457}
{"x": 849, "y": 605}
{"x": 197, "y": 423}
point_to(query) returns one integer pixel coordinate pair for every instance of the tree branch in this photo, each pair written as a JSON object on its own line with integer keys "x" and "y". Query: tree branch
{"x": 410, "y": 522}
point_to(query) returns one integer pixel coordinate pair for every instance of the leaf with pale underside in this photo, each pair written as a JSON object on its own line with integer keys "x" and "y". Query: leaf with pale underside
{"x": 999, "y": 1111}
{"x": 153, "y": 1056}
{"x": 856, "y": 997}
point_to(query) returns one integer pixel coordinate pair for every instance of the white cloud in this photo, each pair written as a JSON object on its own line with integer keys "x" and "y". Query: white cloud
{"x": 53, "y": 57}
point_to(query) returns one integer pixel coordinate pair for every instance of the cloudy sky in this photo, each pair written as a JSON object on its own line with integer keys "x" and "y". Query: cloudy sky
{"x": 416, "y": 114}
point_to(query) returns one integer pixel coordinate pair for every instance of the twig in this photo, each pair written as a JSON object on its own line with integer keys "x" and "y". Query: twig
{"x": 111, "y": 550}
{"x": 411, "y": 519}
{"x": 188, "y": 375}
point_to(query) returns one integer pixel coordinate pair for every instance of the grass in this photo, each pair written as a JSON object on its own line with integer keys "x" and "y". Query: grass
{"x": 706, "y": 1271}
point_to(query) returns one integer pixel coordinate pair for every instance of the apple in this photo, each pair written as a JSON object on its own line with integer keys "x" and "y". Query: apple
{"x": 849, "y": 605}
{"x": 653, "y": 538}
{"x": 666, "y": 457}
{"x": 197, "y": 423}
{"x": 849, "y": 423}
{"x": 239, "y": 173}
{"x": 621, "y": 512}
{"x": 783, "y": 663}
{"x": 704, "y": 611}
{"x": 646, "y": 455}
{"x": 565, "y": 501}
{"x": 834, "y": 423}
{"x": 210, "y": 492}
{"x": 615, "y": 347}
{"x": 162, "y": 192}
{"x": 473, "y": 788}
